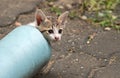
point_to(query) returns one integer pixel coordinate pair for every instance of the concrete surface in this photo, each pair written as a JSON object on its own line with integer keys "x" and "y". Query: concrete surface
{"x": 73, "y": 57}
{"x": 10, "y": 9}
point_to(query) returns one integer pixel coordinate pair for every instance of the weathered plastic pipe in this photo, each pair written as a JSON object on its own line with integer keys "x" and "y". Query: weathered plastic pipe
{"x": 22, "y": 52}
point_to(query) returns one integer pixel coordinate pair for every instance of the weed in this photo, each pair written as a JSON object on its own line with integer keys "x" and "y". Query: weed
{"x": 73, "y": 14}
{"x": 103, "y": 9}
{"x": 51, "y": 0}
{"x": 106, "y": 19}
{"x": 56, "y": 10}
{"x": 95, "y": 5}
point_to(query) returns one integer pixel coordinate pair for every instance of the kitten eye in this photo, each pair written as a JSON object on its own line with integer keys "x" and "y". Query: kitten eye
{"x": 50, "y": 31}
{"x": 60, "y": 31}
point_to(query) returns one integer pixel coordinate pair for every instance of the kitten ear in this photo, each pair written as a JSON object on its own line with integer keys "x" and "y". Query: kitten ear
{"x": 62, "y": 19}
{"x": 39, "y": 17}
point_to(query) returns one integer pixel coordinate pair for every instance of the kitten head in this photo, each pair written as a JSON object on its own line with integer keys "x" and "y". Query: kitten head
{"x": 51, "y": 27}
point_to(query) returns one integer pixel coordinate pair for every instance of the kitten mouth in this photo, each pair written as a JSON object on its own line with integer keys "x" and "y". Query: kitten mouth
{"x": 55, "y": 40}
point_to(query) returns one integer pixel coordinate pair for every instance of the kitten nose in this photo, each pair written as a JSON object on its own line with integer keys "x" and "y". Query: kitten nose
{"x": 56, "y": 38}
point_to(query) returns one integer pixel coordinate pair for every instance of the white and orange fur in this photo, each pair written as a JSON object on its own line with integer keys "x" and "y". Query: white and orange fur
{"x": 50, "y": 27}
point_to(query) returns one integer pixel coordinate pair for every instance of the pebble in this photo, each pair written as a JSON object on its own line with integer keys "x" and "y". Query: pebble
{"x": 62, "y": 56}
{"x": 61, "y": 7}
{"x": 69, "y": 6}
{"x": 100, "y": 14}
{"x": 81, "y": 67}
{"x": 17, "y": 23}
{"x": 64, "y": 71}
{"x": 76, "y": 60}
{"x": 84, "y": 17}
{"x": 105, "y": 60}
{"x": 51, "y": 4}
{"x": 107, "y": 28}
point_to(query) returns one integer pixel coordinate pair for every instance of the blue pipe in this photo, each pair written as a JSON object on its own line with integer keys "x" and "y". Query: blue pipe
{"x": 22, "y": 52}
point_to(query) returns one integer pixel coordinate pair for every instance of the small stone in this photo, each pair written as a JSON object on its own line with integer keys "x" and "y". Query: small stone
{"x": 69, "y": 41}
{"x": 64, "y": 71}
{"x": 62, "y": 56}
{"x": 51, "y": 4}
{"x": 109, "y": 11}
{"x": 105, "y": 60}
{"x": 107, "y": 28}
{"x": 81, "y": 67}
{"x": 100, "y": 14}
{"x": 114, "y": 17}
{"x": 88, "y": 42}
{"x": 17, "y": 23}
{"x": 84, "y": 17}
{"x": 61, "y": 7}
{"x": 69, "y": 6}
{"x": 76, "y": 60}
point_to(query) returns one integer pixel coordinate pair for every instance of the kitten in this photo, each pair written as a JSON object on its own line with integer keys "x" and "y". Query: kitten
{"x": 50, "y": 27}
